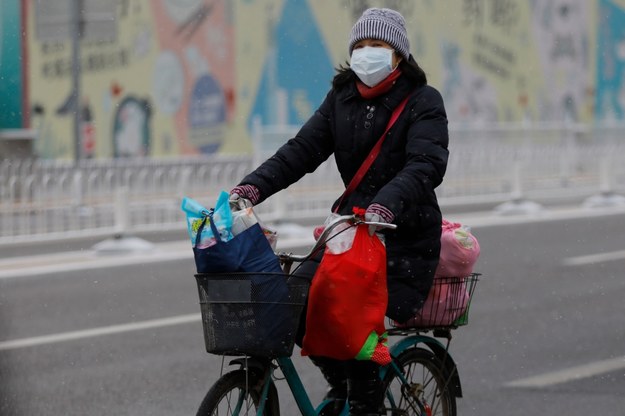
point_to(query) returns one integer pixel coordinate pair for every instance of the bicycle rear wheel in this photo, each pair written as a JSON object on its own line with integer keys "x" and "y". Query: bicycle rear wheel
{"x": 425, "y": 391}
{"x": 238, "y": 393}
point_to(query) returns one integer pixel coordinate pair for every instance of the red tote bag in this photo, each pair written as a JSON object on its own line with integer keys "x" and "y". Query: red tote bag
{"x": 347, "y": 303}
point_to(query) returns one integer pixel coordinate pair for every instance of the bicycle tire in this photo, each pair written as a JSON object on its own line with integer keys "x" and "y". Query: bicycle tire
{"x": 238, "y": 390}
{"x": 427, "y": 386}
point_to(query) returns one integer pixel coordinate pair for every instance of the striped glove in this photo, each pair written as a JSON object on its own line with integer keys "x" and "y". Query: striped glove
{"x": 378, "y": 213}
{"x": 244, "y": 196}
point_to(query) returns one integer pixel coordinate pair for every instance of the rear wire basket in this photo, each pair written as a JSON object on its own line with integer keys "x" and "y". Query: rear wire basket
{"x": 447, "y": 305}
{"x": 244, "y": 314}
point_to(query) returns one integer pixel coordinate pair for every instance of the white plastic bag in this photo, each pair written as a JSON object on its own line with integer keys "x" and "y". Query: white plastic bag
{"x": 342, "y": 236}
{"x": 243, "y": 219}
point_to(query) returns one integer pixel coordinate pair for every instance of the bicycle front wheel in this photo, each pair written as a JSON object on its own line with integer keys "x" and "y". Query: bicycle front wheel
{"x": 424, "y": 389}
{"x": 238, "y": 393}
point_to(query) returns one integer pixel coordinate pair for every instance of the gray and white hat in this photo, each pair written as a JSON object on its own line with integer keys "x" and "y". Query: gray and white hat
{"x": 383, "y": 24}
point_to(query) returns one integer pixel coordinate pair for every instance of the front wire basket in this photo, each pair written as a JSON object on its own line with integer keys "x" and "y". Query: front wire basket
{"x": 255, "y": 314}
{"x": 447, "y": 305}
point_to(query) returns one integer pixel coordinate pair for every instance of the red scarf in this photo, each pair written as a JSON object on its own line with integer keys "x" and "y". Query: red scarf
{"x": 385, "y": 85}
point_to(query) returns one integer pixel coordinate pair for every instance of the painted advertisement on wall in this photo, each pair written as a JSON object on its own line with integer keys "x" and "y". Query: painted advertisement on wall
{"x": 296, "y": 69}
{"x": 497, "y": 60}
{"x": 611, "y": 62}
{"x": 163, "y": 86}
{"x": 492, "y": 60}
{"x": 185, "y": 77}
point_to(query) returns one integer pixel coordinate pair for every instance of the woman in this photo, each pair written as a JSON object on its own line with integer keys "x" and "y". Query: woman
{"x": 399, "y": 186}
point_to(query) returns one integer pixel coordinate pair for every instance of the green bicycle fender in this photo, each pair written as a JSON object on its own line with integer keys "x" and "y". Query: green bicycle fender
{"x": 438, "y": 349}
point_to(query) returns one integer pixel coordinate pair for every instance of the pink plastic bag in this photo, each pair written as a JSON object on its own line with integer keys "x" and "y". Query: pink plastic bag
{"x": 448, "y": 298}
{"x": 459, "y": 251}
{"x": 446, "y": 302}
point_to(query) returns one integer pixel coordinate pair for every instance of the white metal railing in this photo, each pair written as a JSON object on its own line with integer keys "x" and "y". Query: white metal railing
{"x": 54, "y": 199}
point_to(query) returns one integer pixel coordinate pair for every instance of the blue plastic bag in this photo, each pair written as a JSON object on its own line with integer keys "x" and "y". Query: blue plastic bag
{"x": 197, "y": 214}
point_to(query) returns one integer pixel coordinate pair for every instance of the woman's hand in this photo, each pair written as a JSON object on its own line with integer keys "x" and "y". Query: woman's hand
{"x": 244, "y": 196}
{"x": 378, "y": 213}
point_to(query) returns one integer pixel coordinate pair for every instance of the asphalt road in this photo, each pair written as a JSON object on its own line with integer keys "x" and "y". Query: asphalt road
{"x": 546, "y": 333}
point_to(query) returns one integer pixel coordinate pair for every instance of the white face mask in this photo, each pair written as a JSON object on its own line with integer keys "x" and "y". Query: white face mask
{"x": 372, "y": 64}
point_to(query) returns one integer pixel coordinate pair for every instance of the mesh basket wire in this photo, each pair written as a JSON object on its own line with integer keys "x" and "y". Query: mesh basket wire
{"x": 447, "y": 305}
{"x": 242, "y": 314}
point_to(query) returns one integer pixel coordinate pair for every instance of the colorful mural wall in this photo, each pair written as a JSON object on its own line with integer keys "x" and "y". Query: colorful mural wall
{"x": 164, "y": 86}
{"x": 185, "y": 77}
{"x": 610, "y": 87}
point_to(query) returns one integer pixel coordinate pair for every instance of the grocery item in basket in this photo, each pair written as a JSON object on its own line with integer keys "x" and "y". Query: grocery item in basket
{"x": 245, "y": 218}
{"x": 447, "y": 301}
{"x": 242, "y": 220}
{"x": 459, "y": 250}
{"x": 196, "y": 214}
{"x": 248, "y": 251}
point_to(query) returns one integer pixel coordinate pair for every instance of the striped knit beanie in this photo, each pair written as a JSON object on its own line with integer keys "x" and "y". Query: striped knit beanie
{"x": 382, "y": 24}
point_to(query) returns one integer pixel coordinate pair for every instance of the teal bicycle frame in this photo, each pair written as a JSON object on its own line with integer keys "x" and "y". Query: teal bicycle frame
{"x": 300, "y": 394}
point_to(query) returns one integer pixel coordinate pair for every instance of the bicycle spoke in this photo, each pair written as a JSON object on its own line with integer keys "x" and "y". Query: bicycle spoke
{"x": 239, "y": 404}
{"x": 234, "y": 395}
{"x": 422, "y": 389}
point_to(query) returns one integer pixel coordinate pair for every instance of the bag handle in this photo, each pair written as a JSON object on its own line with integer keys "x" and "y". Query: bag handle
{"x": 211, "y": 223}
{"x": 366, "y": 164}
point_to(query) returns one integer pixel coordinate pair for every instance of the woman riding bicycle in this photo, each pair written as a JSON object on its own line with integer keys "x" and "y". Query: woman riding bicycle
{"x": 398, "y": 187}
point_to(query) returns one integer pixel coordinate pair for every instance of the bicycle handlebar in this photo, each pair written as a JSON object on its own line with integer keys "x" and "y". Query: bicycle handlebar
{"x": 353, "y": 220}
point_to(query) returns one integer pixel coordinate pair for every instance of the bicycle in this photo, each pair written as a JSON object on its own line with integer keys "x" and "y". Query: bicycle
{"x": 422, "y": 378}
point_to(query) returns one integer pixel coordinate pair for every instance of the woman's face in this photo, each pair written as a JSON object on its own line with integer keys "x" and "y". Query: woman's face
{"x": 375, "y": 43}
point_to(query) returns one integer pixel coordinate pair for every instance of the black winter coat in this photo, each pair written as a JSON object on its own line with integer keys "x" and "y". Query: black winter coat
{"x": 411, "y": 164}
